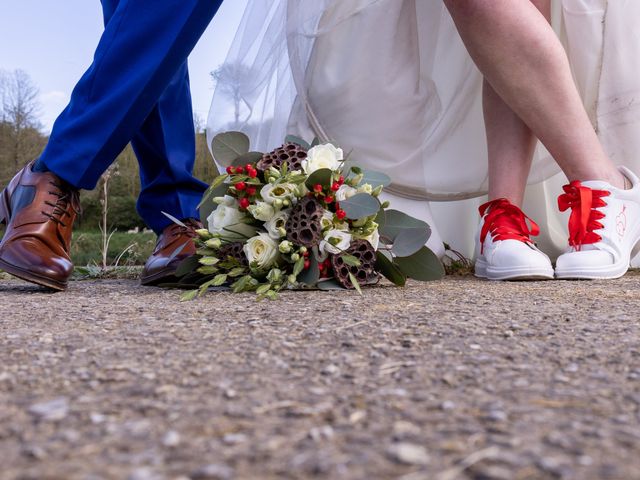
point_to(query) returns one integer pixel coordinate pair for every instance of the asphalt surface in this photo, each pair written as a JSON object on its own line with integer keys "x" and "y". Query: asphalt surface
{"x": 457, "y": 379}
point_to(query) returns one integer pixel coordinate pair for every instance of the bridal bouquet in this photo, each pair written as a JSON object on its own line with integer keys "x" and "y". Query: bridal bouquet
{"x": 300, "y": 217}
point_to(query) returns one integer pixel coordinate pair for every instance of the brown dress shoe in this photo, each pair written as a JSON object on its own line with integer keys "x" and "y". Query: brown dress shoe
{"x": 163, "y": 262}
{"x": 39, "y": 210}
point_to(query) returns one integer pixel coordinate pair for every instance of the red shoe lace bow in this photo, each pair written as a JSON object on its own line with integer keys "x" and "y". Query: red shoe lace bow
{"x": 583, "y": 202}
{"x": 505, "y": 221}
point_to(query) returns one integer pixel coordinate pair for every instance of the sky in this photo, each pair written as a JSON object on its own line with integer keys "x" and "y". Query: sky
{"x": 54, "y": 40}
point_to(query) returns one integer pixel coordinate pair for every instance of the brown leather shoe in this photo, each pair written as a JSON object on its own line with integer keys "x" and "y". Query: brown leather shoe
{"x": 163, "y": 262}
{"x": 39, "y": 210}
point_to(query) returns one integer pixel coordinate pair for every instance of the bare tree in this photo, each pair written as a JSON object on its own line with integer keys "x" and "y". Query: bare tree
{"x": 231, "y": 79}
{"x": 20, "y": 117}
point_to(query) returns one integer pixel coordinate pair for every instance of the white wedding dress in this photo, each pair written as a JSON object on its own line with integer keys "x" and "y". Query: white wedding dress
{"x": 391, "y": 81}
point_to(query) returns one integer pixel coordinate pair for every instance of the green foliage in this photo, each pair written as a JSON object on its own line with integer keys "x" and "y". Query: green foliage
{"x": 85, "y": 247}
{"x": 360, "y": 206}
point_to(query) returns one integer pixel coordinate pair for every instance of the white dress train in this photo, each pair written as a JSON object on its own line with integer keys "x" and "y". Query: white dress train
{"x": 391, "y": 81}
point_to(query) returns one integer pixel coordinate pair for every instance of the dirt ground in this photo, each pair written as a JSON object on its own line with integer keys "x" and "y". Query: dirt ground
{"x": 458, "y": 379}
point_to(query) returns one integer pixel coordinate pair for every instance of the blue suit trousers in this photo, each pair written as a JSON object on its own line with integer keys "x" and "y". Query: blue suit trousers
{"x": 137, "y": 90}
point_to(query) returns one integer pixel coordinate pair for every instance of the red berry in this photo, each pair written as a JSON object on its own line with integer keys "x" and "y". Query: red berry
{"x": 248, "y": 167}
{"x": 230, "y": 170}
{"x": 341, "y": 214}
{"x": 307, "y": 264}
{"x": 244, "y": 203}
{"x": 341, "y": 180}
{"x": 241, "y": 186}
{"x": 329, "y": 199}
{"x": 253, "y": 173}
{"x": 335, "y": 186}
{"x": 239, "y": 169}
{"x": 305, "y": 254}
{"x": 251, "y": 191}
{"x": 317, "y": 188}
{"x": 321, "y": 266}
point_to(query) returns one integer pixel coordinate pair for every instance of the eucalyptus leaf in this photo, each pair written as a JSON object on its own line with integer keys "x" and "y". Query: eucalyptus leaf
{"x": 207, "y": 206}
{"x": 360, "y": 205}
{"x": 392, "y": 222}
{"x": 409, "y": 241}
{"x": 188, "y": 265}
{"x": 249, "y": 157}
{"x": 375, "y": 179}
{"x": 390, "y": 270}
{"x": 322, "y": 176}
{"x": 297, "y": 140}
{"x": 423, "y": 265}
{"x": 329, "y": 285}
{"x": 311, "y": 275}
{"x": 228, "y": 146}
{"x": 316, "y": 142}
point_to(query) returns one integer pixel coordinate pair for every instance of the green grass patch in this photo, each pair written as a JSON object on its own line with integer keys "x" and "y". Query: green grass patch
{"x": 130, "y": 248}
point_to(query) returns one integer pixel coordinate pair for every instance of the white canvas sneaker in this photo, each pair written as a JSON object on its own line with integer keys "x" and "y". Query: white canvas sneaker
{"x": 504, "y": 250}
{"x": 604, "y": 228}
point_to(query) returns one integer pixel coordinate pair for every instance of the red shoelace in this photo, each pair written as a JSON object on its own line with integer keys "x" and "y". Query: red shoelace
{"x": 505, "y": 221}
{"x": 584, "y": 203}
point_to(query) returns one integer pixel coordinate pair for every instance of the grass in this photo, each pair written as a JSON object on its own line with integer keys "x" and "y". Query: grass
{"x": 127, "y": 249}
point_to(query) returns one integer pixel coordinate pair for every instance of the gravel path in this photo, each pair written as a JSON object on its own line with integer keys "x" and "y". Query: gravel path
{"x": 459, "y": 379}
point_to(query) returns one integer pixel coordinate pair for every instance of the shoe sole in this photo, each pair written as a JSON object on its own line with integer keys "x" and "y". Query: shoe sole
{"x": 517, "y": 273}
{"x": 608, "y": 272}
{"x": 32, "y": 277}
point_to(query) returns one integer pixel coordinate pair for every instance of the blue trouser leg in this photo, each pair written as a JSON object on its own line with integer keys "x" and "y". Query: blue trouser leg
{"x": 137, "y": 89}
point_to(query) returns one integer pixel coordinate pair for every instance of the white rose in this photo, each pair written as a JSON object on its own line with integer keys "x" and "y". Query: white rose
{"x": 282, "y": 191}
{"x": 262, "y": 211}
{"x": 276, "y": 222}
{"x": 322, "y": 156}
{"x": 228, "y": 222}
{"x": 344, "y": 192}
{"x": 335, "y": 241}
{"x": 262, "y": 250}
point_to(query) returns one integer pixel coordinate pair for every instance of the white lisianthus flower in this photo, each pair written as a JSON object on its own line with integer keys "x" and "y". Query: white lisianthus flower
{"x": 326, "y": 222}
{"x": 344, "y": 192}
{"x": 262, "y": 211}
{"x": 365, "y": 188}
{"x": 262, "y": 250}
{"x": 227, "y": 200}
{"x": 277, "y": 222}
{"x": 335, "y": 241}
{"x": 283, "y": 191}
{"x": 373, "y": 238}
{"x": 322, "y": 156}
{"x": 229, "y": 223}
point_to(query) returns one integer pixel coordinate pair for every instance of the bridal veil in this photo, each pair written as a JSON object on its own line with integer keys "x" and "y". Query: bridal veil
{"x": 391, "y": 81}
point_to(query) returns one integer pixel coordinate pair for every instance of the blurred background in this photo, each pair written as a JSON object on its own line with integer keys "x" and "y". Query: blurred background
{"x": 45, "y": 47}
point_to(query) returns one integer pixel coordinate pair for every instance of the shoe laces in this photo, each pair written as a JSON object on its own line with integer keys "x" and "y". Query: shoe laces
{"x": 67, "y": 198}
{"x": 505, "y": 221}
{"x": 584, "y": 203}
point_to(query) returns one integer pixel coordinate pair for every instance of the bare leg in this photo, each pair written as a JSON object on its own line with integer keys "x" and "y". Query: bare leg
{"x": 516, "y": 49}
{"x": 510, "y": 142}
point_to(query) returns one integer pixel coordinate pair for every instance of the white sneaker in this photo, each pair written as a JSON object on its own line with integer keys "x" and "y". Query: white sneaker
{"x": 604, "y": 228}
{"x": 504, "y": 250}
